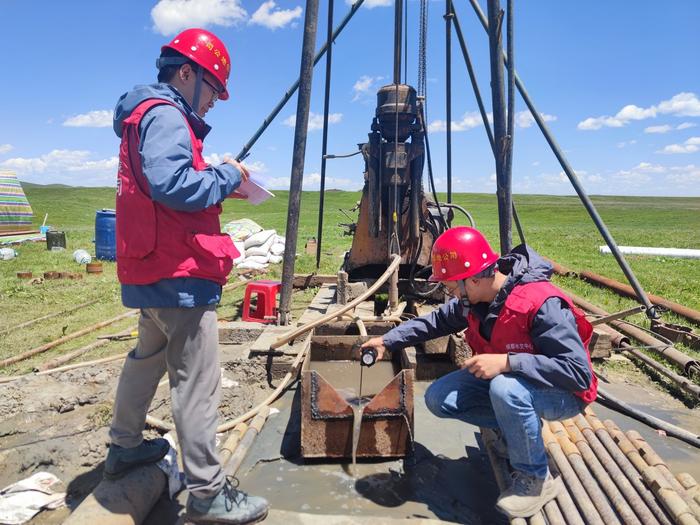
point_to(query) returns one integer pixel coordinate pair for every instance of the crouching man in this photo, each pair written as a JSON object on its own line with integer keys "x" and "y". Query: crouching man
{"x": 530, "y": 357}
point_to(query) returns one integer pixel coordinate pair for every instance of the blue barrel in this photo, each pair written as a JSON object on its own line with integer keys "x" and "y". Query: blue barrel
{"x": 105, "y": 234}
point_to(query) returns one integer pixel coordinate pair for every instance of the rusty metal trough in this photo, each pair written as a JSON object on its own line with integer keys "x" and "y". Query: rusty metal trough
{"x": 327, "y": 418}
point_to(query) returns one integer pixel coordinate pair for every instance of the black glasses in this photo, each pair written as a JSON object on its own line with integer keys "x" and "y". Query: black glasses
{"x": 216, "y": 91}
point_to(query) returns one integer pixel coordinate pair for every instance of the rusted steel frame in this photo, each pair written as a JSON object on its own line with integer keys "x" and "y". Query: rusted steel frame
{"x": 246, "y": 442}
{"x": 583, "y": 500}
{"x": 594, "y": 491}
{"x": 45, "y": 317}
{"x": 65, "y": 338}
{"x": 605, "y": 480}
{"x": 628, "y": 291}
{"x": 682, "y": 514}
{"x": 631, "y": 495}
{"x": 654, "y": 460}
{"x": 677, "y": 334}
{"x": 627, "y": 467}
{"x": 669, "y": 352}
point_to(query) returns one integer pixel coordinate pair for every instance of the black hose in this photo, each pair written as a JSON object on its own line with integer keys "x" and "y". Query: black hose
{"x": 472, "y": 223}
{"x": 613, "y": 403}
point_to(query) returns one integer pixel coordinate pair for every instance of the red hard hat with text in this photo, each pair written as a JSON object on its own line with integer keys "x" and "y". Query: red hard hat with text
{"x": 205, "y": 49}
{"x": 460, "y": 253}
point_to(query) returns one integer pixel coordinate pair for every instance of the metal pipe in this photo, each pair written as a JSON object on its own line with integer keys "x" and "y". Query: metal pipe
{"x": 618, "y": 476}
{"x": 614, "y": 494}
{"x": 627, "y": 467}
{"x": 324, "y": 147}
{"x": 398, "y": 12}
{"x": 65, "y": 338}
{"x": 667, "y": 351}
{"x": 500, "y": 132}
{"x": 229, "y": 446}
{"x": 594, "y": 491}
{"x": 628, "y": 291}
{"x": 587, "y": 203}
{"x": 292, "y": 89}
{"x": 396, "y": 261}
{"x": 246, "y": 442}
{"x": 448, "y": 93}
{"x": 679, "y": 509}
{"x": 590, "y": 513}
{"x": 300, "y": 130}
{"x": 618, "y": 315}
{"x": 654, "y": 460}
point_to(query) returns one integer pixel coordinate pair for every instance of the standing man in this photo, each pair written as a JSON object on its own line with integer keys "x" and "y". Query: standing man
{"x": 530, "y": 355}
{"x": 172, "y": 260}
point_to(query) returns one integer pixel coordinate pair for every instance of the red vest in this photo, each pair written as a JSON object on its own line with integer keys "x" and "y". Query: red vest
{"x": 155, "y": 242}
{"x": 511, "y": 331}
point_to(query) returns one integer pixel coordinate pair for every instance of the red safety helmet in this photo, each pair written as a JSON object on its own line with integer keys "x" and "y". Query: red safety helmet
{"x": 460, "y": 253}
{"x": 205, "y": 49}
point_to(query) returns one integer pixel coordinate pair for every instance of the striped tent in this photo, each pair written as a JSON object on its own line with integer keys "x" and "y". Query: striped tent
{"x": 15, "y": 211}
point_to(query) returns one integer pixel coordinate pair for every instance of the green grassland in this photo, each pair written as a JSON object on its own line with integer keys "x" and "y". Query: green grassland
{"x": 556, "y": 226}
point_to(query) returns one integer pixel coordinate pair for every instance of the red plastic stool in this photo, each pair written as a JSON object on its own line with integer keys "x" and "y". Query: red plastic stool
{"x": 266, "y": 303}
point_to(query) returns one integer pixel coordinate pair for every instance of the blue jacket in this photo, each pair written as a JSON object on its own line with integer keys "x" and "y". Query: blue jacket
{"x": 561, "y": 360}
{"x": 166, "y": 158}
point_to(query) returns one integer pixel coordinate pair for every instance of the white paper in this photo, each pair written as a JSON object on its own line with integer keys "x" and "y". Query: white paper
{"x": 254, "y": 192}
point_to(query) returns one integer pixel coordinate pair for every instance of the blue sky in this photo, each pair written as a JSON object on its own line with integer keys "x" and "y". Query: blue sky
{"x": 618, "y": 82}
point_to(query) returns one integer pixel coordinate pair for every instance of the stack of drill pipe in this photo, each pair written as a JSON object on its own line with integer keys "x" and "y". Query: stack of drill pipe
{"x": 243, "y": 446}
{"x": 627, "y": 468}
{"x": 653, "y": 460}
{"x": 622, "y": 482}
{"x": 573, "y": 485}
{"x": 578, "y": 465}
{"x": 690, "y": 485}
{"x": 673, "y": 502}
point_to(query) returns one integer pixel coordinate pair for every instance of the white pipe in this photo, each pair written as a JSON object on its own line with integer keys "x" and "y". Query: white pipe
{"x": 685, "y": 253}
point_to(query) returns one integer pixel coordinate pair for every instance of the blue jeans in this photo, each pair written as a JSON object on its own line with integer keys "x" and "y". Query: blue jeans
{"x": 508, "y": 402}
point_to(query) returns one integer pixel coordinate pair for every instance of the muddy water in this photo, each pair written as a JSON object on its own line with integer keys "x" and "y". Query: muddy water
{"x": 344, "y": 376}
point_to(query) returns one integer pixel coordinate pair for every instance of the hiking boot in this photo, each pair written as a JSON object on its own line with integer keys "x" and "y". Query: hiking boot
{"x": 230, "y": 506}
{"x": 494, "y": 438}
{"x": 121, "y": 460}
{"x": 527, "y": 495}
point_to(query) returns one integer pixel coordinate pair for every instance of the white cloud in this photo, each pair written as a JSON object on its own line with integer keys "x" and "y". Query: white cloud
{"x": 315, "y": 120}
{"x": 73, "y": 167}
{"x": 624, "y": 144}
{"x": 680, "y": 105}
{"x": 364, "y": 85}
{"x": 101, "y": 118}
{"x": 171, "y": 16}
{"x": 371, "y": 4}
{"x": 274, "y": 18}
{"x": 524, "y": 119}
{"x": 689, "y": 146}
{"x": 686, "y": 125}
{"x": 658, "y": 129}
{"x": 469, "y": 121}
{"x": 6, "y": 148}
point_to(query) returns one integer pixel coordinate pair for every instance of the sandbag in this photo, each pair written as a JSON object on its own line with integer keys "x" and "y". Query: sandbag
{"x": 277, "y": 248}
{"x": 263, "y": 249}
{"x": 241, "y": 229}
{"x": 259, "y": 238}
{"x": 240, "y": 246}
{"x": 261, "y": 259}
{"x": 275, "y": 259}
{"x": 251, "y": 265}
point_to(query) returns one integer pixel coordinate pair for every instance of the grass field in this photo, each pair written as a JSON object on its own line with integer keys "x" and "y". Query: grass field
{"x": 558, "y": 227}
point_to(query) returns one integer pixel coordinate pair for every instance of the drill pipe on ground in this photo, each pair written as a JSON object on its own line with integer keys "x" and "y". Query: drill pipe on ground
{"x": 591, "y": 515}
{"x": 604, "y": 479}
{"x": 595, "y": 493}
{"x": 690, "y": 485}
{"x": 654, "y": 460}
{"x": 246, "y": 442}
{"x": 669, "y": 498}
{"x": 677, "y": 357}
{"x": 631, "y": 495}
{"x": 229, "y": 446}
{"x": 627, "y": 467}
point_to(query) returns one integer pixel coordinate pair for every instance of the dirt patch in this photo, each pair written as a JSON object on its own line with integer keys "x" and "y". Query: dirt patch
{"x": 59, "y": 423}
